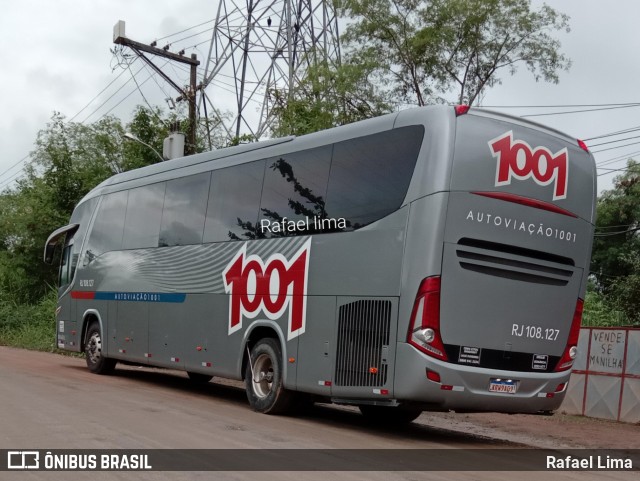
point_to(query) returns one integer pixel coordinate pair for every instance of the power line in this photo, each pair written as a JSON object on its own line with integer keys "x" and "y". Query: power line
{"x": 187, "y": 29}
{"x": 614, "y": 226}
{"x": 558, "y": 106}
{"x": 582, "y": 110}
{"x": 145, "y": 98}
{"x": 128, "y": 95}
{"x": 12, "y": 178}
{"x": 618, "y": 158}
{"x": 110, "y": 97}
{"x": 97, "y": 95}
{"x": 609, "y": 234}
{"x": 16, "y": 164}
{"x": 614, "y": 141}
{"x": 612, "y": 134}
{"x": 617, "y": 147}
{"x": 623, "y": 169}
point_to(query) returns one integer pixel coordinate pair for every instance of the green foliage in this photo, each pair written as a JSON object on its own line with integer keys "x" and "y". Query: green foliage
{"x": 427, "y": 49}
{"x": 599, "y": 312}
{"x": 617, "y": 243}
{"x": 69, "y": 159}
{"x": 615, "y": 262}
{"x": 329, "y": 96}
{"x": 30, "y": 326}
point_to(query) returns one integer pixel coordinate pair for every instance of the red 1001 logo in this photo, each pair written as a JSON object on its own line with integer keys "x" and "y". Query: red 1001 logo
{"x": 517, "y": 159}
{"x": 269, "y": 286}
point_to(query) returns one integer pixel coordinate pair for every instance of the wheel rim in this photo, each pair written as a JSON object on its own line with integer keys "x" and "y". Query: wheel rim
{"x": 262, "y": 375}
{"x": 94, "y": 348}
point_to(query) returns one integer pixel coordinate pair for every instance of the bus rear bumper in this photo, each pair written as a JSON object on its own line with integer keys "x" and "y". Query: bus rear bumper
{"x": 465, "y": 388}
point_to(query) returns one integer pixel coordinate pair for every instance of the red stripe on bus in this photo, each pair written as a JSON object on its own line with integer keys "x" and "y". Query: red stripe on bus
{"x": 83, "y": 294}
{"x": 518, "y": 199}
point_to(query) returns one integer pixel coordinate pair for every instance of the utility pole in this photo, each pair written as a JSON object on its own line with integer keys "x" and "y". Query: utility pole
{"x": 189, "y": 94}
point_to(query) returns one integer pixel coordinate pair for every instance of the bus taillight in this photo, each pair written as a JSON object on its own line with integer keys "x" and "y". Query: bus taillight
{"x": 571, "y": 350}
{"x": 461, "y": 109}
{"x": 424, "y": 330}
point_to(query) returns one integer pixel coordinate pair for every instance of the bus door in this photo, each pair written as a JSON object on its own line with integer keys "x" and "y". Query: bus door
{"x": 517, "y": 245}
{"x": 66, "y": 324}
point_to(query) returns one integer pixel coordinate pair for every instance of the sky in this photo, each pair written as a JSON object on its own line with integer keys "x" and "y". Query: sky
{"x": 56, "y": 56}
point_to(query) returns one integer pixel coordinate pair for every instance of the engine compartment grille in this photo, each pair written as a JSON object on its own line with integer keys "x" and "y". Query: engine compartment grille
{"x": 363, "y": 338}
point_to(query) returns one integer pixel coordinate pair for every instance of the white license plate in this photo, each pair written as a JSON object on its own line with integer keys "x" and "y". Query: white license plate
{"x": 502, "y": 386}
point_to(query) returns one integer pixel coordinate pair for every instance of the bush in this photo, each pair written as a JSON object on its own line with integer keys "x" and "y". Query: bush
{"x": 598, "y": 312}
{"x": 29, "y": 326}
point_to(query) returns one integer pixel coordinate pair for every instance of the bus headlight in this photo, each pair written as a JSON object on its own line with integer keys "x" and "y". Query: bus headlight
{"x": 573, "y": 352}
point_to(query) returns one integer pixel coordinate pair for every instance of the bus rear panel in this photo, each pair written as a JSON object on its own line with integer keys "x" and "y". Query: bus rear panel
{"x": 496, "y": 328}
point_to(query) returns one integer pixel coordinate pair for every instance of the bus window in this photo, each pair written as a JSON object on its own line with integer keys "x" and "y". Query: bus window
{"x": 185, "y": 205}
{"x": 370, "y": 175}
{"x": 66, "y": 267}
{"x": 294, "y": 192}
{"x": 234, "y": 201}
{"x": 81, "y": 216}
{"x": 144, "y": 213}
{"x": 108, "y": 227}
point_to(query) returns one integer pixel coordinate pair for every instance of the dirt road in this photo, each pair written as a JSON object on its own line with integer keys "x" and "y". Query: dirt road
{"x": 49, "y": 401}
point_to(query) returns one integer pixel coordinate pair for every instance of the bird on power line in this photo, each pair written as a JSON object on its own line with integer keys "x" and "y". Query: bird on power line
{"x": 269, "y": 22}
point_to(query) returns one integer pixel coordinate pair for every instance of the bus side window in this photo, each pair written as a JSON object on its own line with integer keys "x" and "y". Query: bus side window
{"x": 108, "y": 227}
{"x": 144, "y": 214}
{"x": 234, "y": 202}
{"x": 81, "y": 216}
{"x": 370, "y": 175}
{"x": 185, "y": 206}
{"x": 295, "y": 189}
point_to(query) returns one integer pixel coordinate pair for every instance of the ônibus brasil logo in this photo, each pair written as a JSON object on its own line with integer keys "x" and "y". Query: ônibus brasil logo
{"x": 517, "y": 159}
{"x": 269, "y": 286}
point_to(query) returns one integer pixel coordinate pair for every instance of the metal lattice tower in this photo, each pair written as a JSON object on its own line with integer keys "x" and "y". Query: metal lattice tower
{"x": 260, "y": 47}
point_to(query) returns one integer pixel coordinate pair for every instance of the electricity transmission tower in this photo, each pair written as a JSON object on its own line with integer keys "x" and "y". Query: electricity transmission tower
{"x": 261, "y": 49}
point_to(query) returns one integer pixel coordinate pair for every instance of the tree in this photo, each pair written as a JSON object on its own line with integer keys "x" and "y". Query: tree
{"x": 69, "y": 160}
{"x": 616, "y": 249}
{"x": 617, "y": 241}
{"x": 329, "y": 96}
{"x": 428, "y": 49}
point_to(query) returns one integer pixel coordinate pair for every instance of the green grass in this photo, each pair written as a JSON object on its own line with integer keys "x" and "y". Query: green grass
{"x": 29, "y": 326}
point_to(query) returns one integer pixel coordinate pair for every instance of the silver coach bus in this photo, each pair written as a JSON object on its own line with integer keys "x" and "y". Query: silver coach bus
{"x": 432, "y": 259}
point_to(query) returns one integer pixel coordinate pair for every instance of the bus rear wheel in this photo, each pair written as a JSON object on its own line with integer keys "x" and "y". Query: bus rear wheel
{"x": 388, "y": 415}
{"x": 97, "y": 362}
{"x": 263, "y": 379}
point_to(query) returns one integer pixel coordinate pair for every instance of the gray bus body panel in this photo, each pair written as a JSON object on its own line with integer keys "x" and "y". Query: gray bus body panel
{"x": 371, "y": 273}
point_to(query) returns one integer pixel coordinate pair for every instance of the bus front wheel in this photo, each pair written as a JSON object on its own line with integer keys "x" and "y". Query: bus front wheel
{"x": 263, "y": 379}
{"x": 96, "y": 360}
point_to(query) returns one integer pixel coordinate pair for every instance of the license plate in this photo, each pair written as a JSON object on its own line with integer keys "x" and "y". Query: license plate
{"x": 503, "y": 386}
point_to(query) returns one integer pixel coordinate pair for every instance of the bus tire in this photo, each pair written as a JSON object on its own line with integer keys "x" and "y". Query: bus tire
{"x": 199, "y": 378}
{"x": 263, "y": 379}
{"x": 388, "y": 415}
{"x": 97, "y": 362}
